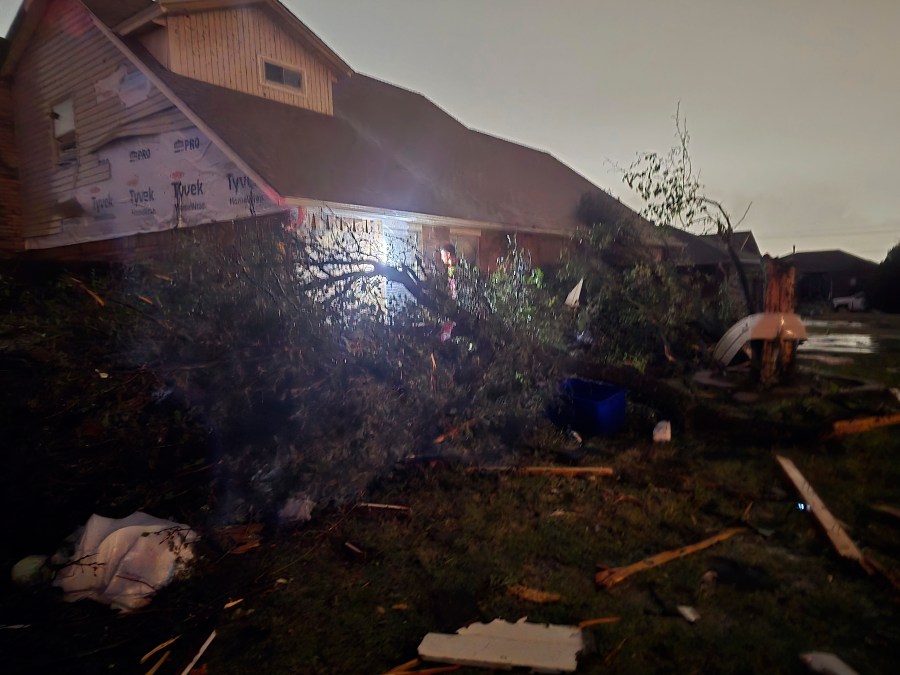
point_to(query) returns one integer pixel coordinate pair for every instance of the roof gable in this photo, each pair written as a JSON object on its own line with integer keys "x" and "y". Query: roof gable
{"x": 129, "y": 16}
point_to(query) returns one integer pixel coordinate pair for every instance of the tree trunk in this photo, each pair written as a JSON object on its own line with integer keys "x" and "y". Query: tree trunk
{"x": 778, "y": 355}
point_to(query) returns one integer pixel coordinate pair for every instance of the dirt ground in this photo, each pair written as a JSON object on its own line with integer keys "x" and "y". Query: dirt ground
{"x": 355, "y": 589}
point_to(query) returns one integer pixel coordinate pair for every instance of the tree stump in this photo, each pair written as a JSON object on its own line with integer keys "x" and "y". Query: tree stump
{"x": 778, "y": 355}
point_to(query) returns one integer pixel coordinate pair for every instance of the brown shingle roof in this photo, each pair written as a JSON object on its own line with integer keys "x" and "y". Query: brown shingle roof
{"x": 828, "y": 261}
{"x": 486, "y": 178}
{"x": 113, "y": 12}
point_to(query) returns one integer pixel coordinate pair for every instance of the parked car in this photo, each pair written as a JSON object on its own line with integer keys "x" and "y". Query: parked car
{"x": 852, "y": 303}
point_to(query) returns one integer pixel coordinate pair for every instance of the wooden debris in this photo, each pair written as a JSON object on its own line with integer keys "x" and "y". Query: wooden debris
{"x": 434, "y": 671}
{"x": 611, "y": 655}
{"x": 858, "y": 426}
{"x": 839, "y": 538}
{"x": 829, "y": 664}
{"x": 384, "y": 507}
{"x": 567, "y": 471}
{"x": 144, "y": 298}
{"x": 689, "y": 613}
{"x": 610, "y": 577}
{"x": 543, "y": 647}
{"x": 885, "y": 508}
{"x": 229, "y": 605}
{"x": 571, "y": 471}
{"x": 355, "y": 550}
{"x": 212, "y": 636}
{"x": 587, "y": 623}
{"x": 404, "y": 667}
{"x": 156, "y": 666}
{"x": 533, "y": 594}
{"x": 100, "y": 301}
{"x": 456, "y": 431}
{"x": 243, "y": 548}
{"x": 165, "y": 644}
{"x": 401, "y": 606}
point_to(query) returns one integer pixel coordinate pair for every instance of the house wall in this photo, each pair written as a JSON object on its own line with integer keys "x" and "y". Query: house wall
{"x": 224, "y": 48}
{"x": 68, "y": 57}
{"x": 10, "y": 206}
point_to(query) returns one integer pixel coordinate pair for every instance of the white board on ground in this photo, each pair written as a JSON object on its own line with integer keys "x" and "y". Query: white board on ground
{"x": 544, "y": 648}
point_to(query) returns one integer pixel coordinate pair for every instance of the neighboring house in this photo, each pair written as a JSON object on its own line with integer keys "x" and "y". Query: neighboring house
{"x": 823, "y": 275}
{"x": 709, "y": 255}
{"x": 134, "y": 117}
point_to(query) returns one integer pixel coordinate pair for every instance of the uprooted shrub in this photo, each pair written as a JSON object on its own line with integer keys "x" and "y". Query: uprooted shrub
{"x": 638, "y": 308}
{"x": 310, "y": 384}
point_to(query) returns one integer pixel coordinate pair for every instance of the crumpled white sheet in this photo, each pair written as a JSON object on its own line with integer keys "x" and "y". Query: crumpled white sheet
{"x": 123, "y": 562}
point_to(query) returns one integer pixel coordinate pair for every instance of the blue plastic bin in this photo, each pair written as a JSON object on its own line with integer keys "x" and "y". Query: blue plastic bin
{"x": 590, "y": 408}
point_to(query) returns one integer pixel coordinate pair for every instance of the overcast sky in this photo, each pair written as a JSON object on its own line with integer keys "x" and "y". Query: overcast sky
{"x": 793, "y": 105}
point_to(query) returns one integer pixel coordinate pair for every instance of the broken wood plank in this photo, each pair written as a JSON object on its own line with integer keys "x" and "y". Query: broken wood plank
{"x": 886, "y": 508}
{"x": 612, "y": 576}
{"x": 567, "y": 471}
{"x": 839, "y": 538}
{"x": 383, "y": 507}
{"x": 533, "y": 594}
{"x": 858, "y": 426}
{"x": 212, "y": 636}
{"x": 157, "y": 648}
{"x": 542, "y": 647}
{"x": 588, "y": 623}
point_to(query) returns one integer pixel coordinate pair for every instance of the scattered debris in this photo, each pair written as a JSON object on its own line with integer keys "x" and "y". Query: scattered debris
{"x": 841, "y": 541}
{"x": 384, "y": 507}
{"x": 160, "y": 647}
{"x": 404, "y": 667}
{"x": 30, "y": 570}
{"x": 829, "y": 664}
{"x": 297, "y": 509}
{"x": 355, "y": 550}
{"x": 689, "y": 613}
{"x": 567, "y": 470}
{"x": 573, "y": 299}
{"x": 124, "y": 562}
{"x": 611, "y": 655}
{"x": 229, "y": 605}
{"x": 158, "y": 664}
{"x": 587, "y": 623}
{"x": 662, "y": 432}
{"x": 544, "y": 647}
{"x": 609, "y": 577}
{"x": 858, "y": 426}
{"x": 100, "y": 301}
{"x": 885, "y": 508}
{"x": 782, "y": 326}
{"x": 212, "y": 636}
{"x": 456, "y": 431}
{"x": 533, "y": 594}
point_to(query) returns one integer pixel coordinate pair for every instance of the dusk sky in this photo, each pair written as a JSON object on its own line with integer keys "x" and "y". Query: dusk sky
{"x": 793, "y": 106}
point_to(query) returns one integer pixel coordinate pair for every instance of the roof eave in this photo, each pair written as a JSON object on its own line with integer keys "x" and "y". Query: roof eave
{"x": 139, "y": 20}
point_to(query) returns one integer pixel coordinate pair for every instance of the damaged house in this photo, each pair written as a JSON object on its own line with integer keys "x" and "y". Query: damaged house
{"x": 131, "y": 118}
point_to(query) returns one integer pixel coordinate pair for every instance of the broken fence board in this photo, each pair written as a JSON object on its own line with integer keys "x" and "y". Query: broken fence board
{"x": 839, "y": 538}
{"x": 612, "y": 576}
{"x": 541, "y": 647}
{"x": 858, "y": 426}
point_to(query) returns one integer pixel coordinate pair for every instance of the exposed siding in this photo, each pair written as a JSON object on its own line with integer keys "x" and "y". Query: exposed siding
{"x": 224, "y": 47}
{"x": 66, "y": 56}
{"x": 10, "y": 206}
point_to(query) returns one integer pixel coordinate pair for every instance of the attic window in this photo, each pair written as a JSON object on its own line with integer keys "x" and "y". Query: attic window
{"x": 63, "y": 116}
{"x": 283, "y": 76}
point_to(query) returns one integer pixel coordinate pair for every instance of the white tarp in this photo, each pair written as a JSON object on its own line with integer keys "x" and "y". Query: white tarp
{"x": 123, "y": 562}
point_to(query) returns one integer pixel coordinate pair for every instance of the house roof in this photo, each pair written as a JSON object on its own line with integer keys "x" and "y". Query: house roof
{"x": 298, "y": 152}
{"x": 419, "y": 161}
{"x": 828, "y": 261}
{"x": 743, "y": 242}
{"x": 486, "y": 177}
{"x": 707, "y": 249}
{"x": 126, "y": 16}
